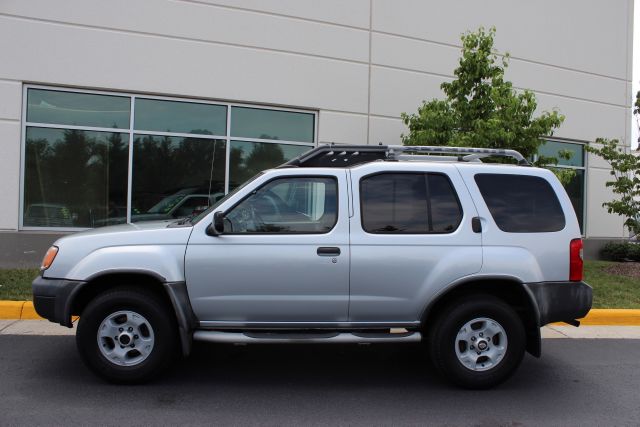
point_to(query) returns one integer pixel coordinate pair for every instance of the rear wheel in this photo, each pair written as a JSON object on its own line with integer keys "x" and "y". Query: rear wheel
{"x": 127, "y": 335}
{"x": 477, "y": 342}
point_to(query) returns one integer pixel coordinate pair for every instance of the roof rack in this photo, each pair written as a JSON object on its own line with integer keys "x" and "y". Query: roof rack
{"x": 334, "y": 155}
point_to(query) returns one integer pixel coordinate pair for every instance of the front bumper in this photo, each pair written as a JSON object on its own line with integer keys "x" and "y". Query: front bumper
{"x": 52, "y": 298}
{"x": 561, "y": 301}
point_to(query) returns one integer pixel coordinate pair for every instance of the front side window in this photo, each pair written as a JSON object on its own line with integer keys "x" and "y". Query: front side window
{"x": 409, "y": 203}
{"x": 291, "y": 205}
{"x": 521, "y": 203}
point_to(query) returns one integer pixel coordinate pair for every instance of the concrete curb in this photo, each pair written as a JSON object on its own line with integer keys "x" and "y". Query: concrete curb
{"x": 18, "y": 310}
{"x": 613, "y": 317}
{"x": 23, "y": 310}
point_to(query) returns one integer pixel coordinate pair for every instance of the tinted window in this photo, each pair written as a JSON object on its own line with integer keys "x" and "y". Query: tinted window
{"x": 75, "y": 178}
{"x": 271, "y": 124}
{"x": 287, "y": 205}
{"x": 166, "y": 170}
{"x": 249, "y": 158}
{"x": 79, "y": 109}
{"x": 445, "y": 208}
{"x": 521, "y": 204}
{"x": 182, "y": 117}
{"x": 409, "y": 203}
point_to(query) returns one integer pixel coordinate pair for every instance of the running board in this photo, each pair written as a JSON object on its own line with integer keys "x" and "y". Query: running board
{"x": 308, "y": 338}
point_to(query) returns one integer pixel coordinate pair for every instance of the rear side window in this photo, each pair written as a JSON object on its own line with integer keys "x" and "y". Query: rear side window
{"x": 409, "y": 203}
{"x": 520, "y": 203}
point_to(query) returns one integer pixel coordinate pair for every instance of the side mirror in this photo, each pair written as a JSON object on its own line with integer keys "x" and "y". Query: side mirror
{"x": 217, "y": 225}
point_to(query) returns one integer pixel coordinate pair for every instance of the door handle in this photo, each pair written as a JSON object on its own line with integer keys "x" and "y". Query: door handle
{"x": 328, "y": 251}
{"x": 476, "y": 225}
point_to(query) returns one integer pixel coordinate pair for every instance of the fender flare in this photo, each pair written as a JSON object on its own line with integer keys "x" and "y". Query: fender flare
{"x": 534, "y": 339}
{"x": 176, "y": 292}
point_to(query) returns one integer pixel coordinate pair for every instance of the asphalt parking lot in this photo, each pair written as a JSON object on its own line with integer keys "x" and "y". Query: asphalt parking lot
{"x": 577, "y": 382}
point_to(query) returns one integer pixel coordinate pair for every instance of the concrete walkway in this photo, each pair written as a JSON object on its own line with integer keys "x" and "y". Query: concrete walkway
{"x": 43, "y": 327}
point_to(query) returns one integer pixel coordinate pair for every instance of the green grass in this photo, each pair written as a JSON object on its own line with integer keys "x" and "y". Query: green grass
{"x": 15, "y": 283}
{"x": 609, "y": 291}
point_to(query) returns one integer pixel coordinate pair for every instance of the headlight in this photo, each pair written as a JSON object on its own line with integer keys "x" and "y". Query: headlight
{"x": 49, "y": 257}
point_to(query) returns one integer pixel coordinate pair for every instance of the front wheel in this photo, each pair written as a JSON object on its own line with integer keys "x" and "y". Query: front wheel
{"x": 127, "y": 335}
{"x": 477, "y": 342}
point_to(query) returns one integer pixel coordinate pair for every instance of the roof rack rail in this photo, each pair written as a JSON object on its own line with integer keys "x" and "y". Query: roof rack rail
{"x": 335, "y": 155}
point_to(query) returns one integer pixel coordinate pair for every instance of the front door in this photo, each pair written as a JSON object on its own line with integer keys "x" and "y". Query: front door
{"x": 284, "y": 255}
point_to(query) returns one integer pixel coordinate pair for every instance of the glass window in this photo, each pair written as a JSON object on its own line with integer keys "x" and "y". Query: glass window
{"x": 446, "y": 213}
{"x": 180, "y": 117}
{"x": 80, "y": 178}
{"x": 287, "y": 205}
{"x": 249, "y": 158}
{"x": 409, "y": 203}
{"x": 168, "y": 172}
{"x": 271, "y": 124}
{"x": 553, "y": 149}
{"x": 74, "y": 178}
{"x": 520, "y": 203}
{"x": 575, "y": 190}
{"x": 78, "y": 109}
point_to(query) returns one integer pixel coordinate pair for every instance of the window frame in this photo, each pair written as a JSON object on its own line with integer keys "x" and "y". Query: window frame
{"x": 423, "y": 173}
{"x": 131, "y": 131}
{"x": 276, "y": 178}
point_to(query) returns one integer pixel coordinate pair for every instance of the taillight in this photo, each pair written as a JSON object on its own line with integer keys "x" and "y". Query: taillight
{"x": 575, "y": 260}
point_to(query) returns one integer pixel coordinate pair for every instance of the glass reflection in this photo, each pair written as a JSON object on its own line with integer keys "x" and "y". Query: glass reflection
{"x": 74, "y": 178}
{"x": 78, "y": 109}
{"x": 249, "y": 158}
{"x": 175, "y": 177}
{"x": 271, "y": 124}
{"x": 182, "y": 117}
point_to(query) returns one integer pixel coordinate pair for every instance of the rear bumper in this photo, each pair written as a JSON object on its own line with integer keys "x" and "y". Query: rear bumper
{"x": 561, "y": 301}
{"x": 52, "y": 298}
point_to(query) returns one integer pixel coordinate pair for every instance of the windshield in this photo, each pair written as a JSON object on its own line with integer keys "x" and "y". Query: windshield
{"x": 213, "y": 207}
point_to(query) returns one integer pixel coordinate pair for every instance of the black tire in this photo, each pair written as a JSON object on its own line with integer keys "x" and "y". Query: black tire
{"x": 160, "y": 321}
{"x": 443, "y": 341}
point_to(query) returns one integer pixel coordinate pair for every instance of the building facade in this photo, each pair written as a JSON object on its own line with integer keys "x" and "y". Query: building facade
{"x": 126, "y": 111}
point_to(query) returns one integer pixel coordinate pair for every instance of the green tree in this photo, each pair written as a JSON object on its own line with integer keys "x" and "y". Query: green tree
{"x": 625, "y": 169}
{"x": 482, "y": 109}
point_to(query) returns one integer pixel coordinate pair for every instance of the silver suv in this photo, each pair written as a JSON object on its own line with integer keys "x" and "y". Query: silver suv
{"x": 344, "y": 244}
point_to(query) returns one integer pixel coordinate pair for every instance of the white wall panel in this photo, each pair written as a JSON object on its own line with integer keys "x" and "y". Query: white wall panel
{"x": 399, "y": 52}
{"x": 562, "y": 82}
{"x": 595, "y": 161}
{"x": 600, "y": 223}
{"x": 352, "y": 12}
{"x": 61, "y": 54}
{"x": 9, "y": 174}
{"x": 585, "y": 120}
{"x": 570, "y": 33}
{"x": 411, "y": 54}
{"x": 395, "y": 91}
{"x": 342, "y": 128}
{"x": 202, "y": 22}
{"x": 386, "y": 130}
{"x": 10, "y": 100}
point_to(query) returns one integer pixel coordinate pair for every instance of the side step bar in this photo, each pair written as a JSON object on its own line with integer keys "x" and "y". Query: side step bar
{"x": 301, "y": 338}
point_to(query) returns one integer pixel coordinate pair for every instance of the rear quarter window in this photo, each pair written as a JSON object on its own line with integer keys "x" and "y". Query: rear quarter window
{"x": 521, "y": 203}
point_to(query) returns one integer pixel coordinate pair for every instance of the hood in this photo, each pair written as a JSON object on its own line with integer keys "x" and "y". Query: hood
{"x": 77, "y": 246}
{"x": 140, "y": 233}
